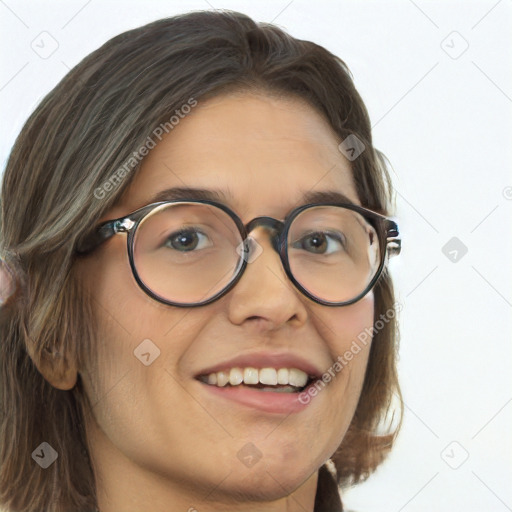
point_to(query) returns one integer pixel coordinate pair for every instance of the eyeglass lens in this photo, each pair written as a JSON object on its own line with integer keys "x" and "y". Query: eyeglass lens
{"x": 188, "y": 252}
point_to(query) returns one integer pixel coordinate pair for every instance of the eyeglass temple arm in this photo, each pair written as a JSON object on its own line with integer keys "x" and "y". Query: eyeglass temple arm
{"x": 394, "y": 242}
{"x": 110, "y": 228}
{"x": 95, "y": 239}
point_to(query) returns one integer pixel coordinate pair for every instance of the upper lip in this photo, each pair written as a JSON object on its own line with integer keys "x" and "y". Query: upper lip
{"x": 265, "y": 360}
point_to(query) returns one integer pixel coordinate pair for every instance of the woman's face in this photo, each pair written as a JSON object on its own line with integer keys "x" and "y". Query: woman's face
{"x": 156, "y": 431}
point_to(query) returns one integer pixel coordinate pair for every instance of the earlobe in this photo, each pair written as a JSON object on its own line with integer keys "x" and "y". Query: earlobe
{"x": 56, "y": 369}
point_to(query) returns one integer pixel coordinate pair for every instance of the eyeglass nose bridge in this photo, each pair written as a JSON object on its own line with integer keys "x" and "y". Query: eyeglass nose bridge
{"x": 275, "y": 226}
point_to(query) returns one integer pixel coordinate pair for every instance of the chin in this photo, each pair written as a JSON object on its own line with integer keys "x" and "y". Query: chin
{"x": 262, "y": 485}
{"x": 268, "y": 479}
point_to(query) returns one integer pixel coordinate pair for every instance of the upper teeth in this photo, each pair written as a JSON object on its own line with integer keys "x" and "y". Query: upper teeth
{"x": 268, "y": 376}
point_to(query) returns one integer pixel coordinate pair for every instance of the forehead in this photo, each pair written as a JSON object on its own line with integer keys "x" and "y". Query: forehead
{"x": 260, "y": 152}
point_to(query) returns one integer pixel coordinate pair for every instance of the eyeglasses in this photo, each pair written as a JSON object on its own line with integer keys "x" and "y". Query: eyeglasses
{"x": 190, "y": 253}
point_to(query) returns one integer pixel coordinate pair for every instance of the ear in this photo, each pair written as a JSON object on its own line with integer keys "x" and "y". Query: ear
{"x": 55, "y": 368}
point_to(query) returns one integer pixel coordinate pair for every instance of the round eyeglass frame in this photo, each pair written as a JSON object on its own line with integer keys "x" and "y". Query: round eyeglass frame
{"x": 385, "y": 227}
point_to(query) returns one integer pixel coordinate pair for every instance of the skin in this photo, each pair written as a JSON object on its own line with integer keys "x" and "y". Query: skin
{"x": 157, "y": 437}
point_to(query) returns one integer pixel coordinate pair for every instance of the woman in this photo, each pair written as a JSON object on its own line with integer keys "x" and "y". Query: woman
{"x": 197, "y": 313}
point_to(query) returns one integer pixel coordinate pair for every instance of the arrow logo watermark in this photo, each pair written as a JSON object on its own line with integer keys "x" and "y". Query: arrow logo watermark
{"x": 454, "y": 249}
{"x": 45, "y": 455}
{"x": 249, "y": 455}
{"x": 455, "y": 455}
{"x": 352, "y": 147}
{"x": 146, "y": 352}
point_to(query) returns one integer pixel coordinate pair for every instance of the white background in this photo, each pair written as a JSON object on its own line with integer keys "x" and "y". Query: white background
{"x": 442, "y": 115}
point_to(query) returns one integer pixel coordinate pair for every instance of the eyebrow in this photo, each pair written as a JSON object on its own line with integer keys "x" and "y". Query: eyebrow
{"x": 183, "y": 193}
{"x": 227, "y": 197}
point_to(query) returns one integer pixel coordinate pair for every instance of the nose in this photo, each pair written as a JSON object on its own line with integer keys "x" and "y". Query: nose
{"x": 273, "y": 226}
{"x": 264, "y": 296}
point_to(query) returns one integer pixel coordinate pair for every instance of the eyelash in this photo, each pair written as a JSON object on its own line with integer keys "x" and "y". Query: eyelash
{"x": 337, "y": 237}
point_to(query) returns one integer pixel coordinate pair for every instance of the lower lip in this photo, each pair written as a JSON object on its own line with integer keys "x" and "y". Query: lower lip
{"x": 267, "y": 401}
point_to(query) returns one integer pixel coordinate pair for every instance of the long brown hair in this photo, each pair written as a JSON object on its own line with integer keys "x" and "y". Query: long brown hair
{"x": 84, "y": 130}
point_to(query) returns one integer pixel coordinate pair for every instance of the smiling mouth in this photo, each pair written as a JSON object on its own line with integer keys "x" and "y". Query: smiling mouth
{"x": 277, "y": 380}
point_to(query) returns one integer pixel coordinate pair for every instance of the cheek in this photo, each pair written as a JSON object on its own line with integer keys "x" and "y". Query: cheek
{"x": 136, "y": 338}
{"x": 347, "y": 333}
{"x": 349, "y": 328}
{"x": 131, "y": 378}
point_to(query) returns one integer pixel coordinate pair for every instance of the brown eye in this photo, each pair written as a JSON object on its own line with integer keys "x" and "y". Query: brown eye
{"x": 320, "y": 242}
{"x": 186, "y": 240}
